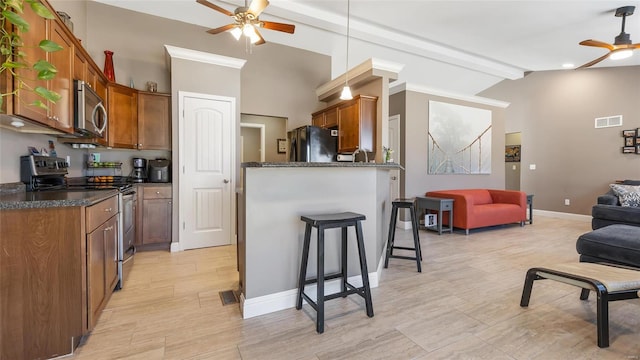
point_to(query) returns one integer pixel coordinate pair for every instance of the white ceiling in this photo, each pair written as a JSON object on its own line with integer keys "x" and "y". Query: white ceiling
{"x": 462, "y": 46}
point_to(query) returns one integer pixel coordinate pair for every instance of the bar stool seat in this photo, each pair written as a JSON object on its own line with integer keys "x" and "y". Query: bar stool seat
{"x": 402, "y": 203}
{"x": 328, "y": 221}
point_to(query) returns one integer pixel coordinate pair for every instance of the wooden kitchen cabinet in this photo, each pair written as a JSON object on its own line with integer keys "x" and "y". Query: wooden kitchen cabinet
{"x": 41, "y": 272}
{"x": 102, "y": 256}
{"x": 326, "y": 119}
{"x": 123, "y": 116}
{"x": 59, "y": 116}
{"x": 154, "y": 121}
{"x": 154, "y": 216}
{"x": 357, "y": 124}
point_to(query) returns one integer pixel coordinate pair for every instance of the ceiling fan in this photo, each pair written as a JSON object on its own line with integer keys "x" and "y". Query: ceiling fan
{"x": 246, "y": 21}
{"x": 621, "y": 47}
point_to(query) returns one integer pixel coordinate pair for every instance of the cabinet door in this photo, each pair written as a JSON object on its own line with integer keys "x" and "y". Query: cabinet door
{"x": 317, "y": 119}
{"x": 95, "y": 275}
{"x": 154, "y": 121}
{"x": 102, "y": 270}
{"x": 331, "y": 118}
{"x": 349, "y": 127}
{"x": 123, "y": 116}
{"x": 62, "y": 110}
{"x": 156, "y": 224}
{"x": 38, "y": 31}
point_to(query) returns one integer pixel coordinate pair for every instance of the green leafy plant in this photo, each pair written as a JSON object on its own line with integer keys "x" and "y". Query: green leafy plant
{"x": 13, "y": 58}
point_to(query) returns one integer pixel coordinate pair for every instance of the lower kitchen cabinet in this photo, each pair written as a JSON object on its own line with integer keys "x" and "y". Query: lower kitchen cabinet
{"x": 102, "y": 256}
{"x": 41, "y": 272}
{"x": 154, "y": 216}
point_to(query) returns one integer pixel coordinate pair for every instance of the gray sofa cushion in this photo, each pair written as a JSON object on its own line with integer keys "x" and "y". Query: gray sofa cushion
{"x": 615, "y": 243}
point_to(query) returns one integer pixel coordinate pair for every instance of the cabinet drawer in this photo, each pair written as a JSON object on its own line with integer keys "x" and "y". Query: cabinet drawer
{"x": 101, "y": 212}
{"x": 157, "y": 192}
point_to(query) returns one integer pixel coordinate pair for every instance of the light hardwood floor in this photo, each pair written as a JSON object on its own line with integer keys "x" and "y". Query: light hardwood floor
{"x": 464, "y": 305}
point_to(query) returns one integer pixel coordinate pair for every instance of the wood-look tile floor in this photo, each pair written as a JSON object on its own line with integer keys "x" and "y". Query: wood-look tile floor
{"x": 464, "y": 305}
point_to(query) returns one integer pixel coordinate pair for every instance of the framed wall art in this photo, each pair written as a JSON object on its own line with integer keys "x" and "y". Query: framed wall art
{"x": 459, "y": 139}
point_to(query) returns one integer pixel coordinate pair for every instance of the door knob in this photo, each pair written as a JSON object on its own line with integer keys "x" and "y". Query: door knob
{"x": 226, "y": 181}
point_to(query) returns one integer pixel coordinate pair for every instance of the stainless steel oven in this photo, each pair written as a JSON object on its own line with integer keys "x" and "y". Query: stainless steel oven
{"x": 126, "y": 248}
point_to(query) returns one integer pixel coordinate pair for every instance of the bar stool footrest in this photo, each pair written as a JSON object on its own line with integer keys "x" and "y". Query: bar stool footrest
{"x": 327, "y": 277}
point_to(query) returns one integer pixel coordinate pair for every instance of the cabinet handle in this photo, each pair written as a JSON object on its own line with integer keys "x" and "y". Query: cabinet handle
{"x": 158, "y": 192}
{"x": 107, "y": 210}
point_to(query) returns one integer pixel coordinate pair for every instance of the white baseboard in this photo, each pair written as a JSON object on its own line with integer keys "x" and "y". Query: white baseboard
{"x": 175, "y": 247}
{"x": 561, "y": 215}
{"x": 287, "y": 299}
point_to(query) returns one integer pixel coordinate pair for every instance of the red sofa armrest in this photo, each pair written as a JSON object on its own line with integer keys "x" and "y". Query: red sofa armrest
{"x": 509, "y": 197}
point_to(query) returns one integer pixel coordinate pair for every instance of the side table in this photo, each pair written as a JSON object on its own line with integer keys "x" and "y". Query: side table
{"x": 530, "y": 204}
{"x": 440, "y": 205}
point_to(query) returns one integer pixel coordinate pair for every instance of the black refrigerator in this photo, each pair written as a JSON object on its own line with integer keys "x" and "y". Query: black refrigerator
{"x": 313, "y": 144}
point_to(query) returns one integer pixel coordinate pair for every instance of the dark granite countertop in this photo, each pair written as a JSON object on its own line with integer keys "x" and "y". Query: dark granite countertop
{"x": 320, "y": 164}
{"x": 49, "y": 199}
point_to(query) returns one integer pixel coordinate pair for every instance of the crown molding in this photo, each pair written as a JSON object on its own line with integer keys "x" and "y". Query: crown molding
{"x": 437, "y": 92}
{"x": 204, "y": 57}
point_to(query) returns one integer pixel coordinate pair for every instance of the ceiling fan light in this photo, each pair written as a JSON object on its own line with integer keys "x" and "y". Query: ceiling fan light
{"x": 621, "y": 54}
{"x": 248, "y": 30}
{"x": 236, "y": 32}
{"x": 346, "y": 93}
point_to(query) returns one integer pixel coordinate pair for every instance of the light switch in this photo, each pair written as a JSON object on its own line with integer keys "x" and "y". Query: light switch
{"x": 513, "y": 167}
{"x": 532, "y": 166}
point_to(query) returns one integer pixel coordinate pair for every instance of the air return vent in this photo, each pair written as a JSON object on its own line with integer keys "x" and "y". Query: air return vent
{"x": 609, "y": 121}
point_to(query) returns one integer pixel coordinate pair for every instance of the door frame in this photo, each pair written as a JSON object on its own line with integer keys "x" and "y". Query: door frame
{"x": 262, "y": 128}
{"x": 177, "y": 245}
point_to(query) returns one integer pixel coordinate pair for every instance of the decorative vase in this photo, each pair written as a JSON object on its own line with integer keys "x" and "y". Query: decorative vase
{"x": 108, "y": 65}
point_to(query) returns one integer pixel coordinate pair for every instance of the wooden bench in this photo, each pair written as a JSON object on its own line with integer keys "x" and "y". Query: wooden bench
{"x": 610, "y": 283}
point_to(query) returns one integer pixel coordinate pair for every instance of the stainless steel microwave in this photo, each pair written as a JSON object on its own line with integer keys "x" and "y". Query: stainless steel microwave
{"x": 90, "y": 112}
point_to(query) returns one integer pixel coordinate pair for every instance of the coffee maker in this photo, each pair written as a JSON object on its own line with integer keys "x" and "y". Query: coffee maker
{"x": 139, "y": 172}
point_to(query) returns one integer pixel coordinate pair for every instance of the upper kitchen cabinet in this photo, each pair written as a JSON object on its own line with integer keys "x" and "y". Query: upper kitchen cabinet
{"x": 326, "y": 119}
{"x": 123, "y": 116}
{"x": 154, "y": 121}
{"x": 357, "y": 124}
{"x": 59, "y": 115}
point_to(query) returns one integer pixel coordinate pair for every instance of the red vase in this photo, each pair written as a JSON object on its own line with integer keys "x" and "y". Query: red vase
{"x": 108, "y": 65}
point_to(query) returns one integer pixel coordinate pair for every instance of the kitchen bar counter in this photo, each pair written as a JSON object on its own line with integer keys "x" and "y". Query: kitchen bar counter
{"x": 345, "y": 164}
{"x": 51, "y": 199}
{"x": 271, "y": 201}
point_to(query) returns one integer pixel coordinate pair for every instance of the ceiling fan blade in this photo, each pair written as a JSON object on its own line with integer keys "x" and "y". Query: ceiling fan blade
{"x": 590, "y": 63}
{"x": 288, "y": 28}
{"x": 597, "y": 43}
{"x": 215, "y": 7}
{"x": 261, "y": 41}
{"x": 258, "y": 6}
{"x": 221, "y": 29}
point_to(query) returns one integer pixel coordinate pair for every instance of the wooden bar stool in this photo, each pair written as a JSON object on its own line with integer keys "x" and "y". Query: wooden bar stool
{"x": 329, "y": 221}
{"x": 403, "y": 204}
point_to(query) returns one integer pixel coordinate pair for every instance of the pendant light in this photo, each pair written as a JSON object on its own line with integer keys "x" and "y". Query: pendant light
{"x": 346, "y": 90}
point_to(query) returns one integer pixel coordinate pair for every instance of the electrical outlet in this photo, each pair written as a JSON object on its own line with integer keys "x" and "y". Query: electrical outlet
{"x": 532, "y": 166}
{"x": 567, "y": 202}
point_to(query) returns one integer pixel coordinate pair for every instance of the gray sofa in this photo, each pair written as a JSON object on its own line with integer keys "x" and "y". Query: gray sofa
{"x": 608, "y": 210}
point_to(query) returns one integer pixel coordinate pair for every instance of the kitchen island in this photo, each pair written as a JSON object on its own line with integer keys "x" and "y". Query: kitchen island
{"x": 270, "y": 232}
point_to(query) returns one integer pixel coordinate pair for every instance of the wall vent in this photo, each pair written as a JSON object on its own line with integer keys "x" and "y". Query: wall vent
{"x": 609, "y": 121}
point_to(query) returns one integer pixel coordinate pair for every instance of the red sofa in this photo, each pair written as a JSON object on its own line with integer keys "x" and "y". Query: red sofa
{"x": 475, "y": 208}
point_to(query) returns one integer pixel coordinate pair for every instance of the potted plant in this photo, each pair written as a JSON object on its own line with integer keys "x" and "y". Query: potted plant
{"x": 13, "y": 58}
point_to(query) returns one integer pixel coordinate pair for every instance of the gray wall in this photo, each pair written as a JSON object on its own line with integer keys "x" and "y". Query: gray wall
{"x": 275, "y": 128}
{"x": 555, "y": 112}
{"x": 415, "y": 181}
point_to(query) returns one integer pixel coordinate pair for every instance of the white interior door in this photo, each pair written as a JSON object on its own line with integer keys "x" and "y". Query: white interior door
{"x": 206, "y": 182}
{"x": 394, "y": 144}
